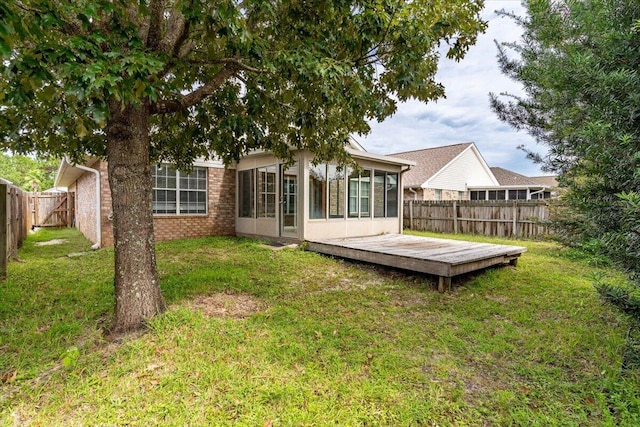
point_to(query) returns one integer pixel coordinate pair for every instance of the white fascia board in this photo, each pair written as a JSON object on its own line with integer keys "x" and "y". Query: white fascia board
{"x": 214, "y": 162}
{"x": 67, "y": 173}
{"x": 509, "y": 187}
{"x": 485, "y": 165}
{"x": 356, "y": 154}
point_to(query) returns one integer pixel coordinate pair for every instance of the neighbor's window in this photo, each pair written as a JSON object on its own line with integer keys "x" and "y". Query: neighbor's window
{"x": 247, "y": 190}
{"x": 478, "y": 195}
{"x": 318, "y": 191}
{"x": 179, "y": 193}
{"x": 267, "y": 192}
{"x": 438, "y": 194}
{"x": 496, "y": 194}
{"x": 360, "y": 194}
{"x": 517, "y": 194}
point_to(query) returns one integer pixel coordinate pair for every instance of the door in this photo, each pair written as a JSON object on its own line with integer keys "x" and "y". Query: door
{"x": 289, "y": 181}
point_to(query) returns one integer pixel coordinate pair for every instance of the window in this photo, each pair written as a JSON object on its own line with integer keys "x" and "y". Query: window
{"x": 517, "y": 194}
{"x": 540, "y": 196}
{"x": 318, "y": 191}
{"x": 360, "y": 194}
{"x": 247, "y": 185}
{"x": 460, "y": 195}
{"x": 385, "y": 194}
{"x": 336, "y": 191}
{"x": 438, "y": 195}
{"x": 478, "y": 195}
{"x": 496, "y": 194}
{"x": 179, "y": 193}
{"x": 392, "y": 195}
{"x": 267, "y": 192}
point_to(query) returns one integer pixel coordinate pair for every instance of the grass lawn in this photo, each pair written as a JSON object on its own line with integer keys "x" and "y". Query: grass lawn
{"x": 262, "y": 337}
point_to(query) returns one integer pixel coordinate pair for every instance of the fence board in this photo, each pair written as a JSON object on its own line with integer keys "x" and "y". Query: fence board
{"x": 524, "y": 219}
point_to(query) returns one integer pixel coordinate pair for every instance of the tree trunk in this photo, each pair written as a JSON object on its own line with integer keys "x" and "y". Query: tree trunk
{"x": 137, "y": 289}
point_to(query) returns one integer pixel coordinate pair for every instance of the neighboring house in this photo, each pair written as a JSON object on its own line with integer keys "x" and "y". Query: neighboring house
{"x": 445, "y": 173}
{"x": 513, "y": 186}
{"x": 259, "y": 196}
{"x": 459, "y": 172}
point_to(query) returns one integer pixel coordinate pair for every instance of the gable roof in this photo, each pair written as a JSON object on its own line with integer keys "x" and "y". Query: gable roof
{"x": 507, "y": 177}
{"x": 429, "y": 161}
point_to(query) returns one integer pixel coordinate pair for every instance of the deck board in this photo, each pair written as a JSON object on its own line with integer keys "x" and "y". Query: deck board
{"x": 441, "y": 257}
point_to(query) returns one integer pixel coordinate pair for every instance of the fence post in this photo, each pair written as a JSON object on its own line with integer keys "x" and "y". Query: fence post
{"x": 410, "y": 214}
{"x": 3, "y": 231}
{"x": 455, "y": 217}
{"x": 515, "y": 218}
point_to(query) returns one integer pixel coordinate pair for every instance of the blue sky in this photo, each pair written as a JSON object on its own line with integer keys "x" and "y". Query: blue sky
{"x": 465, "y": 115}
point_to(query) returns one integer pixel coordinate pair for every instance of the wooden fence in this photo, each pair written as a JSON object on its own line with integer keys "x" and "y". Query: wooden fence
{"x": 498, "y": 218}
{"x": 21, "y": 211}
{"x": 13, "y": 214}
{"x": 51, "y": 209}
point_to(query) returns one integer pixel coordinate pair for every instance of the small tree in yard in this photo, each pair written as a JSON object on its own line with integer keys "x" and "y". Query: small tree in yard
{"x": 579, "y": 63}
{"x": 136, "y": 82}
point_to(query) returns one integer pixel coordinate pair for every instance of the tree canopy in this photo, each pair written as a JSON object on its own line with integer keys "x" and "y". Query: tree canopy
{"x": 136, "y": 82}
{"x": 222, "y": 77}
{"x": 579, "y": 64}
{"x": 28, "y": 173}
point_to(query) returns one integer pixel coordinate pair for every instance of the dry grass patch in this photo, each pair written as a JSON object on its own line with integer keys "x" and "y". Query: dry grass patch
{"x": 227, "y": 305}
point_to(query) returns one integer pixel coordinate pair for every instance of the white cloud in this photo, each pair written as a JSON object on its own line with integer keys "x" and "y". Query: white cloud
{"x": 465, "y": 115}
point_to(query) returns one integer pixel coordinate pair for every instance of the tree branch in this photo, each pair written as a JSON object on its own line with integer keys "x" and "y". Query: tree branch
{"x": 195, "y": 97}
{"x": 156, "y": 11}
{"x": 237, "y": 63}
{"x": 176, "y": 34}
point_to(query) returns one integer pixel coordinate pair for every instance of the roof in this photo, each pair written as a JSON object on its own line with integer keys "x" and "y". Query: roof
{"x": 550, "y": 180}
{"x": 394, "y": 160}
{"x": 429, "y": 161}
{"x": 509, "y": 178}
{"x": 68, "y": 174}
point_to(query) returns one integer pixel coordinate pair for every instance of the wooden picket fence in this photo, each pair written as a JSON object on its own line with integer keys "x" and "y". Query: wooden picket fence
{"x": 14, "y": 206}
{"x": 497, "y": 218}
{"x": 20, "y": 211}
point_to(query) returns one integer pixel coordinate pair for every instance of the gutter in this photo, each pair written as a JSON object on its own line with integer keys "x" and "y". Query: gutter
{"x": 98, "y": 206}
{"x": 415, "y": 193}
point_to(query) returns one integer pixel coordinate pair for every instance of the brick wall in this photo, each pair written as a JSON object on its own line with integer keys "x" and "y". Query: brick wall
{"x": 220, "y": 219}
{"x": 85, "y": 208}
{"x": 430, "y": 194}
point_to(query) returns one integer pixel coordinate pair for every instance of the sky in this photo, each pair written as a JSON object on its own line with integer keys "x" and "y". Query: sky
{"x": 465, "y": 114}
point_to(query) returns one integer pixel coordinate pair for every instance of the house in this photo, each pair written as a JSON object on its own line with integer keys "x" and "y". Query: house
{"x": 512, "y": 186}
{"x": 459, "y": 172}
{"x": 445, "y": 173}
{"x": 259, "y": 196}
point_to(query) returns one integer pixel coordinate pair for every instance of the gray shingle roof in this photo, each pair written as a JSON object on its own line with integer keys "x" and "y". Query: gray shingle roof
{"x": 429, "y": 161}
{"x": 551, "y": 181}
{"x": 507, "y": 177}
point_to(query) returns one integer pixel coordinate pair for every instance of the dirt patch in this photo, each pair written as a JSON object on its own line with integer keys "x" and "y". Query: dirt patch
{"x": 227, "y": 305}
{"x": 50, "y": 242}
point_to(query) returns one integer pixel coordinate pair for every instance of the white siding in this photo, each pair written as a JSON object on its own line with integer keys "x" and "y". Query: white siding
{"x": 465, "y": 170}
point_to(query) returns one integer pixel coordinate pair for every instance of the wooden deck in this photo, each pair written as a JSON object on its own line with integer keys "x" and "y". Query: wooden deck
{"x": 441, "y": 257}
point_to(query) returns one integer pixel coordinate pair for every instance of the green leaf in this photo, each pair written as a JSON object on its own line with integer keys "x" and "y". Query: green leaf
{"x": 81, "y": 130}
